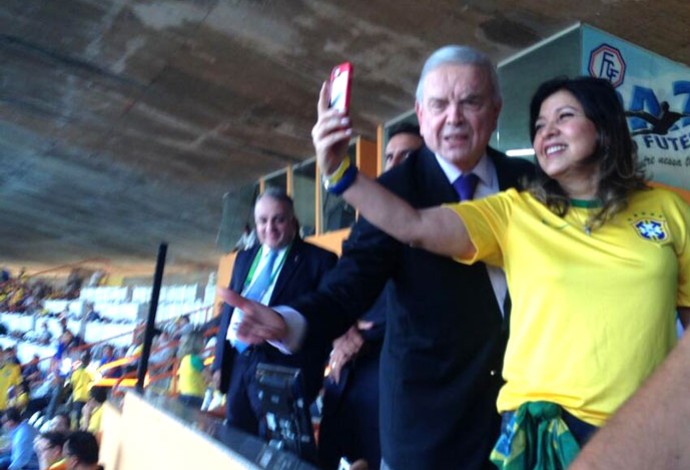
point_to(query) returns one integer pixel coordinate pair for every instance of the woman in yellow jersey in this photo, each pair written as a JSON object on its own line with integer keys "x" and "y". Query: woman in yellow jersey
{"x": 596, "y": 261}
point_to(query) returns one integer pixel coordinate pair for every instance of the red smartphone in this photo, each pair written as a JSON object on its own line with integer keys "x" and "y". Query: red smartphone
{"x": 341, "y": 77}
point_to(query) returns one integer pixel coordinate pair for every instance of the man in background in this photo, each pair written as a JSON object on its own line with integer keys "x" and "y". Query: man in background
{"x": 276, "y": 270}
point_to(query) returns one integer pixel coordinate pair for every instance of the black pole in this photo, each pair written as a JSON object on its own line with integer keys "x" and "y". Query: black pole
{"x": 151, "y": 320}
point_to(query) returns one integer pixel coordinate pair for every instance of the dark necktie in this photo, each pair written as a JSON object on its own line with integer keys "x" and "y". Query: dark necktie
{"x": 465, "y": 185}
{"x": 259, "y": 287}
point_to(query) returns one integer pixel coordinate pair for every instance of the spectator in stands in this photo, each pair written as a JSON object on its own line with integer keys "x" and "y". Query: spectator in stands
{"x": 91, "y": 313}
{"x": 30, "y": 302}
{"x": 13, "y": 355}
{"x": 4, "y": 274}
{"x": 81, "y": 451}
{"x": 31, "y": 372}
{"x": 183, "y": 326}
{"x": 81, "y": 380}
{"x": 45, "y": 337}
{"x": 73, "y": 286}
{"x": 39, "y": 395}
{"x": 21, "y": 435}
{"x": 60, "y": 368}
{"x": 15, "y": 300}
{"x": 93, "y": 410}
{"x": 18, "y": 397}
{"x": 107, "y": 357}
{"x": 134, "y": 350}
{"x": 191, "y": 384}
{"x": 48, "y": 447}
{"x": 63, "y": 317}
{"x": 66, "y": 343}
{"x": 10, "y": 375}
{"x": 162, "y": 351}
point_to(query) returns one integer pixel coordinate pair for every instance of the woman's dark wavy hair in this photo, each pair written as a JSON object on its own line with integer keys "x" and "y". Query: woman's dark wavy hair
{"x": 620, "y": 174}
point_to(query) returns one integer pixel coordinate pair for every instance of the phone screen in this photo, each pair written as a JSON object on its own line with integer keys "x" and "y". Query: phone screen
{"x": 340, "y": 87}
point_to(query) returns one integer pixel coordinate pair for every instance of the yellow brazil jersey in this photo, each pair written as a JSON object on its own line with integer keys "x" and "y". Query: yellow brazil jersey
{"x": 593, "y": 314}
{"x": 94, "y": 424}
{"x": 191, "y": 379}
{"x": 81, "y": 380}
{"x": 10, "y": 375}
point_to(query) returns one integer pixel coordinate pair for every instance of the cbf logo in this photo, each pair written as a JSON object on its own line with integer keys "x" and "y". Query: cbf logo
{"x": 607, "y": 62}
{"x": 652, "y": 228}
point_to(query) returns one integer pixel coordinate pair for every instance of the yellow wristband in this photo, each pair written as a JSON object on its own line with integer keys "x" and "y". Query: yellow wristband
{"x": 337, "y": 175}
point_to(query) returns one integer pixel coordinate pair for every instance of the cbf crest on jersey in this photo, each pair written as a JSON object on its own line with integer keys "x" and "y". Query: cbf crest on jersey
{"x": 650, "y": 226}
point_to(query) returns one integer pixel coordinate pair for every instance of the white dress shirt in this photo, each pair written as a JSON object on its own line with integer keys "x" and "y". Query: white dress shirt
{"x": 486, "y": 186}
{"x": 265, "y": 299}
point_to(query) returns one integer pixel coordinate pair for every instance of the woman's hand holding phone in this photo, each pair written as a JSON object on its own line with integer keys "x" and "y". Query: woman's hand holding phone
{"x": 333, "y": 129}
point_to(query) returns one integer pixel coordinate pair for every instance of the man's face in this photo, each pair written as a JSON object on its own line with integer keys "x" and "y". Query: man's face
{"x": 458, "y": 113}
{"x": 399, "y": 147}
{"x": 275, "y": 224}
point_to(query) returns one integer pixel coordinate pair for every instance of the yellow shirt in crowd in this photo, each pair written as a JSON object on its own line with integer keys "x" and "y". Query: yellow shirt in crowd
{"x": 81, "y": 380}
{"x": 10, "y": 375}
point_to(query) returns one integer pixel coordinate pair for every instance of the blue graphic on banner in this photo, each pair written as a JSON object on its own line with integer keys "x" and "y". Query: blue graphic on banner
{"x": 655, "y": 93}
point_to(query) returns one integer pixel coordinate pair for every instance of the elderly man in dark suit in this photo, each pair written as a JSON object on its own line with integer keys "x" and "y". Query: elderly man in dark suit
{"x": 275, "y": 271}
{"x": 446, "y": 322}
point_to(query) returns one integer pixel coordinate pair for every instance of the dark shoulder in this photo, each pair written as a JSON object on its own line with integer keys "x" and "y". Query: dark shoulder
{"x": 405, "y": 176}
{"x": 310, "y": 249}
{"x": 514, "y": 164}
{"x": 249, "y": 254}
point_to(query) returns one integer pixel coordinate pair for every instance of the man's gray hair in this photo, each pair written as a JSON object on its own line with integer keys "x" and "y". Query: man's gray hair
{"x": 459, "y": 55}
{"x": 279, "y": 194}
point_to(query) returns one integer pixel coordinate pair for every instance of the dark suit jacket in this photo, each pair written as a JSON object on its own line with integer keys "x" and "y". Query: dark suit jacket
{"x": 304, "y": 267}
{"x": 445, "y": 339}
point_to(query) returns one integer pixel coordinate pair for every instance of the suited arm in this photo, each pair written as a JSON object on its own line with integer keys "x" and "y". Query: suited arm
{"x": 369, "y": 260}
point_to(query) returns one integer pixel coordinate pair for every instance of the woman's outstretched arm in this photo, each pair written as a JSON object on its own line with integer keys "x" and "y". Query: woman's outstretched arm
{"x": 438, "y": 229}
